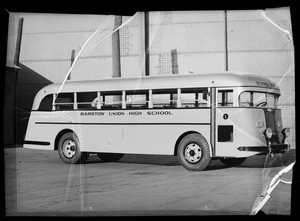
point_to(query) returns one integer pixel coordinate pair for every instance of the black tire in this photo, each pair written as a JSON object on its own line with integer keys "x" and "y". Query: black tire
{"x": 69, "y": 149}
{"x": 110, "y": 157}
{"x": 193, "y": 152}
{"x": 232, "y": 162}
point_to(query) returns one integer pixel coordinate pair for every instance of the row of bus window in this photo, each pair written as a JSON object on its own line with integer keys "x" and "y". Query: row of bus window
{"x": 142, "y": 99}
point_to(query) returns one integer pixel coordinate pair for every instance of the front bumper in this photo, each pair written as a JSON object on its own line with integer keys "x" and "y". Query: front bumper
{"x": 269, "y": 149}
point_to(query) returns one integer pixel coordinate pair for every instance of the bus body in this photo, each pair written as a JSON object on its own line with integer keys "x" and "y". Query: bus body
{"x": 199, "y": 117}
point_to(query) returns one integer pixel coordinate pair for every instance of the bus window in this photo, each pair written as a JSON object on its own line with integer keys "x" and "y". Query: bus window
{"x": 111, "y": 100}
{"x": 202, "y": 99}
{"x": 64, "y": 101}
{"x": 164, "y": 98}
{"x": 188, "y": 97}
{"x": 258, "y": 99}
{"x": 85, "y": 99}
{"x": 246, "y": 99}
{"x": 46, "y": 103}
{"x": 225, "y": 98}
{"x": 194, "y": 97}
{"x": 136, "y": 99}
{"x": 271, "y": 100}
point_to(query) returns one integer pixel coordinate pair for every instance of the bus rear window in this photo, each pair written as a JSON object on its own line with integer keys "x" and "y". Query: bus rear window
{"x": 46, "y": 103}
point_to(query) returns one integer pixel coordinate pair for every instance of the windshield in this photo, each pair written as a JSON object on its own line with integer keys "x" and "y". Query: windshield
{"x": 258, "y": 99}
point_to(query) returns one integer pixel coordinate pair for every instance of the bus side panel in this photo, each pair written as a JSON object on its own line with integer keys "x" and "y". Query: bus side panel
{"x": 145, "y": 131}
{"x": 142, "y": 139}
{"x": 126, "y": 131}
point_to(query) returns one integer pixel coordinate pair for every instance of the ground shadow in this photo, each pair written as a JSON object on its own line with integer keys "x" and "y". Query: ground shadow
{"x": 158, "y": 160}
{"x": 278, "y": 160}
{"x": 257, "y": 161}
{"x": 161, "y": 160}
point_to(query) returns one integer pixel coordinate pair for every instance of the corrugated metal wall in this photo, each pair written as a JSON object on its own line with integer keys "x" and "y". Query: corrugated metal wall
{"x": 256, "y": 42}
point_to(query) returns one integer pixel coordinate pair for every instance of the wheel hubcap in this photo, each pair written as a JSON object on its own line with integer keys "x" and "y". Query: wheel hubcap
{"x": 69, "y": 148}
{"x": 193, "y": 153}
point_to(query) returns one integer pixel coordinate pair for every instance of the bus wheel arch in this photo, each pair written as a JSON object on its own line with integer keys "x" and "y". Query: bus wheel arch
{"x": 70, "y": 137}
{"x": 59, "y": 135}
{"x": 182, "y": 136}
{"x": 193, "y": 151}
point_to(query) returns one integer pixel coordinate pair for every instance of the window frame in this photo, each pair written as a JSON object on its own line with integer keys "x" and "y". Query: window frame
{"x": 115, "y": 105}
{"x": 56, "y": 104}
{"x": 275, "y": 96}
{"x": 140, "y": 104}
{"x": 197, "y": 98}
{"x": 90, "y": 107}
{"x": 234, "y": 97}
{"x": 169, "y": 103}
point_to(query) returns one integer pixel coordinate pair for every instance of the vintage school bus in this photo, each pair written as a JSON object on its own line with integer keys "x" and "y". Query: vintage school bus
{"x": 198, "y": 117}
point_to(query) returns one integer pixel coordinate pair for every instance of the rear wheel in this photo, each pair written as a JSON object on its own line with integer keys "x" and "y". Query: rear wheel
{"x": 110, "y": 157}
{"x": 69, "y": 149}
{"x": 193, "y": 152}
{"x": 232, "y": 162}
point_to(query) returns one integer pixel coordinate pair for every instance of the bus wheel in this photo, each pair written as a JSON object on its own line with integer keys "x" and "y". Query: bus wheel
{"x": 193, "y": 152}
{"x": 232, "y": 162}
{"x": 69, "y": 149}
{"x": 110, "y": 157}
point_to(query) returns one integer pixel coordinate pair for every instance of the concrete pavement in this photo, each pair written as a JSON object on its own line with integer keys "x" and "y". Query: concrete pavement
{"x": 39, "y": 183}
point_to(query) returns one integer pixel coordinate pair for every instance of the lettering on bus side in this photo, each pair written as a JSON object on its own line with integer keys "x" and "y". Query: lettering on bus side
{"x": 118, "y": 113}
{"x": 159, "y": 113}
{"x": 91, "y": 113}
{"x": 130, "y": 113}
{"x": 135, "y": 113}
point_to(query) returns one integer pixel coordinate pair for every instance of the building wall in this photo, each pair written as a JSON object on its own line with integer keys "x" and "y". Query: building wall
{"x": 9, "y": 106}
{"x": 255, "y": 43}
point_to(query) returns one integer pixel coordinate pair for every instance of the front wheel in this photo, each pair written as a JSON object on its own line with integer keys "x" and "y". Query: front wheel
{"x": 232, "y": 162}
{"x": 193, "y": 152}
{"x": 69, "y": 149}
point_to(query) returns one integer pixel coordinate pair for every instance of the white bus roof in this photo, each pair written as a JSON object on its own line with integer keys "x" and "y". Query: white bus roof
{"x": 224, "y": 79}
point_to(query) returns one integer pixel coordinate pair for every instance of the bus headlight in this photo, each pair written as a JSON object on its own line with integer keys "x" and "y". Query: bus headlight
{"x": 286, "y": 132}
{"x": 268, "y": 132}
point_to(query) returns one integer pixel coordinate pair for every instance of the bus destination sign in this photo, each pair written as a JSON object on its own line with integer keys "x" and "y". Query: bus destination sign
{"x": 265, "y": 84}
